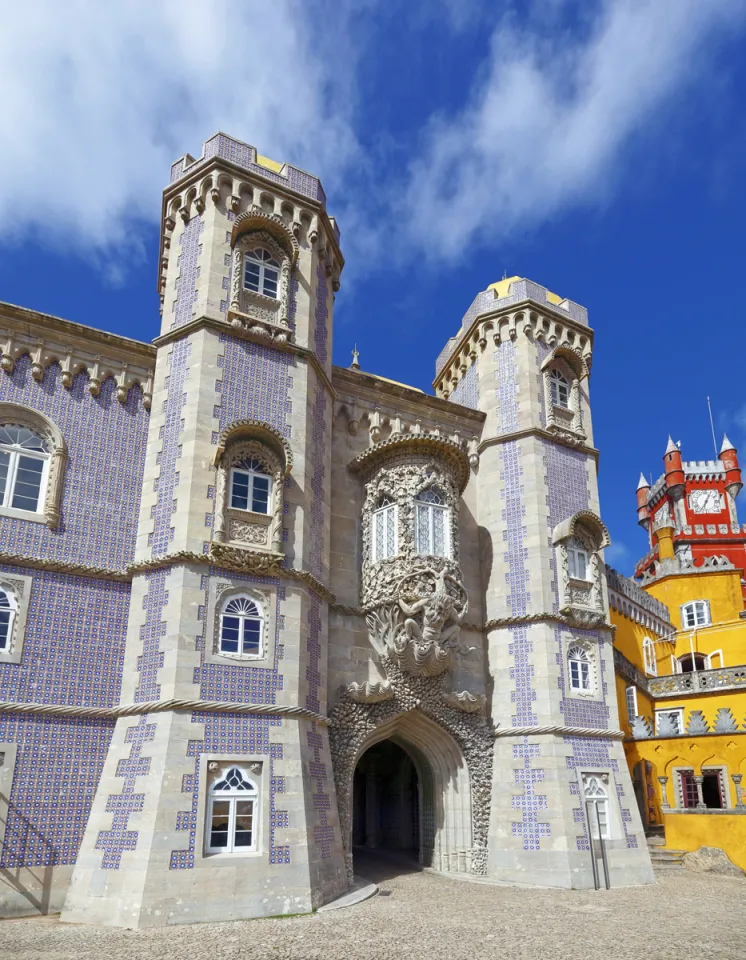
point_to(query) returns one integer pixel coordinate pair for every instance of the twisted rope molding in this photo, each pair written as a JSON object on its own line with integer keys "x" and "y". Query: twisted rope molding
{"x": 558, "y": 728}
{"x": 160, "y": 706}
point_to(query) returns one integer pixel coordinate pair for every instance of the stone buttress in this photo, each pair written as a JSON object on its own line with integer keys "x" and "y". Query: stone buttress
{"x": 231, "y": 368}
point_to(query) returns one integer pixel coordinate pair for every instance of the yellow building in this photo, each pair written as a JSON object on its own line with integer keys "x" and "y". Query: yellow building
{"x": 680, "y": 657}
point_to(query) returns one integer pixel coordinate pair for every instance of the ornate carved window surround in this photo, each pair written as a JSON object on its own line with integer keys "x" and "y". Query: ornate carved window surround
{"x": 46, "y": 428}
{"x": 213, "y": 767}
{"x": 573, "y": 368}
{"x": 240, "y": 442}
{"x": 220, "y": 592}
{"x": 18, "y": 589}
{"x": 583, "y": 600}
{"x": 591, "y": 650}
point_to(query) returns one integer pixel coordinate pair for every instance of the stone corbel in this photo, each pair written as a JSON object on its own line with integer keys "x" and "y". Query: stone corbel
{"x": 184, "y": 214}
{"x": 472, "y": 450}
{"x": 215, "y": 194}
{"x": 296, "y": 228}
{"x": 37, "y": 367}
{"x": 147, "y": 393}
{"x": 8, "y": 362}
{"x": 94, "y": 382}
{"x": 375, "y": 426}
{"x": 235, "y": 203}
{"x": 199, "y": 205}
{"x": 313, "y": 231}
{"x": 168, "y": 225}
{"x": 122, "y": 389}
{"x": 68, "y": 374}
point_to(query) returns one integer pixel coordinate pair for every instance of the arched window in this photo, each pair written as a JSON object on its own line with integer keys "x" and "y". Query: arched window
{"x": 596, "y": 796}
{"x": 24, "y": 465}
{"x": 241, "y": 628}
{"x": 687, "y": 664}
{"x": 560, "y": 389}
{"x": 261, "y": 272}
{"x": 232, "y": 814}
{"x": 384, "y": 539}
{"x": 648, "y": 655}
{"x": 695, "y": 614}
{"x": 579, "y": 664}
{"x": 7, "y": 616}
{"x": 578, "y": 565}
{"x": 431, "y": 524}
{"x": 251, "y": 486}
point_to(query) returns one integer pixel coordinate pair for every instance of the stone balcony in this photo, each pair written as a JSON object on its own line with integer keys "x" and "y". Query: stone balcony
{"x": 701, "y": 681}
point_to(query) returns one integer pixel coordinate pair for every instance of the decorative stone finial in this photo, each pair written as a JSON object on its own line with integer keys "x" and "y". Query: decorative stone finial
{"x": 355, "y": 365}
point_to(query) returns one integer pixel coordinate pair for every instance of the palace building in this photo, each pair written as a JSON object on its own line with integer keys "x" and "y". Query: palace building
{"x": 258, "y": 611}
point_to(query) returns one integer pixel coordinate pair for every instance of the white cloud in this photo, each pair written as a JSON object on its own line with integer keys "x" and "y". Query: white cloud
{"x": 99, "y": 98}
{"x": 550, "y": 113}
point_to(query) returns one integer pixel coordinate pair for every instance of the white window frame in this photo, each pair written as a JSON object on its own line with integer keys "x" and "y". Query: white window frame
{"x": 697, "y": 608}
{"x": 649, "y": 658}
{"x": 233, "y": 797}
{"x": 557, "y": 380}
{"x": 716, "y": 653}
{"x": 430, "y": 508}
{"x": 379, "y": 551}
{"x": 242, "y": 618}
{"x": 679, "y": 711}
{"x": 574, "y": 553}
{"x": 585, "y": 660}
{"x": 264, "y": 265}
{"x": 251, "y": 474}
{"x": 14, "y": 453}
{"x": 6, "y": 643}
{"x": 631, "y": 701}
{"x": 587, "y": 778}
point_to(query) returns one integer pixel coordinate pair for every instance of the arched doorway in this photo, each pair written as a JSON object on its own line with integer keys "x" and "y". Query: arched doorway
{"x": 393, "y": 801}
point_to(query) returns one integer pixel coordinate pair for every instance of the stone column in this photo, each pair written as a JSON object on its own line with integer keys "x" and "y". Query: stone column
{"x": 701, "y": 805}
{"x": 736, "y": 778}
{"x": 663, "y": 781}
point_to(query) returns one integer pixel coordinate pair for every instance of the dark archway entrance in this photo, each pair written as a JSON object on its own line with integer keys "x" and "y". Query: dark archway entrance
{"x": 388, "y": 802}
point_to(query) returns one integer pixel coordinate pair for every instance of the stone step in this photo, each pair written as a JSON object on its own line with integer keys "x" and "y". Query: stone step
{"x": 656, "y": 841}
{"x": 661, "y": 855}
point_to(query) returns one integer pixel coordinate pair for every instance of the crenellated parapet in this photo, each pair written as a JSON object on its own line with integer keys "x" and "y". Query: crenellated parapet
{"x": 77, "y": 349}
{"x": 526, "y": 310}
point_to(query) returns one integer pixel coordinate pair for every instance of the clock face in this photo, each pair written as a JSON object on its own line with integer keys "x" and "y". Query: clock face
{"x": 705, "y": 501}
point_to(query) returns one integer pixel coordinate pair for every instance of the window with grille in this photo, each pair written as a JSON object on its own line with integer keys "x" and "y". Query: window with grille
{"x": 560, "y": 389}
{"x": 648, "y": 653}
{"x": 7, "y": 615}
{"x": 232, "y": 814}
{"x": 695, "y": 614}
{"x": 384, "y": 539}
{"x": 596, "y": 794}
{"x": 631, "y": 703}
{"x": 579, "y": 664}
{"x": 250, "y": 487}
{"x": 431, "y": 524}
{"x": 241, "y": 628}
{"x": 24, "y": 464}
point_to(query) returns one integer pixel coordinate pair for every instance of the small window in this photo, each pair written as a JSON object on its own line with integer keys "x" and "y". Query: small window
{"x": 431, "y": 524}
{"x": 596, "y": 796}
{"x": 24, "y": 462}
{"x": 692, "y": 664}
{"x": 560, "y": 390}
{"x": 7, "y": 616}
{"x": 669, "y": 722}
{"x": 232, "y": 814}
{"x": 261, "y": 273}
{"x": 631, "y": 703}
{"x": 384, "y": 519}
{"x": 580, "y": 669}
{"x": 577, "y": 561}
{"x": 713, "y": 789}
{"x": 250, "y": 487}
{"x": 241, "y": 628}
{"x": 695, "y": 614}
{"x": 648, "y": 653}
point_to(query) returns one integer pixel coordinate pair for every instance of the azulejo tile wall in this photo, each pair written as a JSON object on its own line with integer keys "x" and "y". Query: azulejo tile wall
{"x": 101, "y": 486}
{"x": 466, "y": 391}
{"x": 588, "y": 755}
{"x": 268, "y": 372}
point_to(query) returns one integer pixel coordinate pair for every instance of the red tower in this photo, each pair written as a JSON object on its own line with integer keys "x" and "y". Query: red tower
{"x": 697, "y": 498}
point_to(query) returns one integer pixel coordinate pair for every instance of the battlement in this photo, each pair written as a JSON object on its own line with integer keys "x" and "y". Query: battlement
{"x": 505, "y": 292}
{"x": 245, "y": 156}
{"x": 638, "y": 604}
{"x": 703, "y": 468}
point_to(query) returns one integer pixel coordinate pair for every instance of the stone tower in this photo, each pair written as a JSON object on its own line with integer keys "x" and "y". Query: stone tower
{"x": 241, "y": 377}
{"x": 522, "y": 356}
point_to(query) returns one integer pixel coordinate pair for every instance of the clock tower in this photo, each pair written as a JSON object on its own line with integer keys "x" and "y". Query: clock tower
{"x": 690, "y": 511}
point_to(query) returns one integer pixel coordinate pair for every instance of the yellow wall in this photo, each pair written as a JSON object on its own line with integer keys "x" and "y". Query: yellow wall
{"x": 685, "y": 831}
{"x": 721, "y": 587}
{"x": 644, "y": 704}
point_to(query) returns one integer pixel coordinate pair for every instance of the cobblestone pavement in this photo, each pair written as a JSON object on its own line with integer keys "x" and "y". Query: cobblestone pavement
{"x": 423, "y": 915}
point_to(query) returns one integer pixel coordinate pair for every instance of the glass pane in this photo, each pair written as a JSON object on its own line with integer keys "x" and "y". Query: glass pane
{"x": 423, "y": 528}
{"x": 439, "y": 536}
{"x": 574, "y": 674}
{"x": 390, "y": 517}
{"x": 219, "y": 823}
{"x": 585, "y": 676}
{"x": 252, "y": 636}
{"x": 4, "y": 628}
{"x": 14, "y": 435}
{"x": 240, "y": 491}
{"x": 260, "y": 495}
{"x": 242, "y": 605}
{"x": 378, "y": 537}
{"x": 244, "y": 822}
{"x": 229, "y": 634}
{"x": 270, "y": 282}
{"x": 251, "y": 276}
{"x": 28, "y": 483}
{"x": 4, "y": 464}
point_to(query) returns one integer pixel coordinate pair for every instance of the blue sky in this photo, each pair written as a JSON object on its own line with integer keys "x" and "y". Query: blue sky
{"x": 595, "y": 147}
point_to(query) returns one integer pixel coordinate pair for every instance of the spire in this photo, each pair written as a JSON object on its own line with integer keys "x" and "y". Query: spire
{"x": 671, "y": 448}
{"x": 727, "y": 445}
{"x": 355, "y": 365}
{"x": 643, "y": 484}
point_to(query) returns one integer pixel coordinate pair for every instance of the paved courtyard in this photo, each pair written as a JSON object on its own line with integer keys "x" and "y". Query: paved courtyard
{"x": 422, "y": 915}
